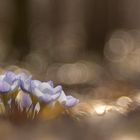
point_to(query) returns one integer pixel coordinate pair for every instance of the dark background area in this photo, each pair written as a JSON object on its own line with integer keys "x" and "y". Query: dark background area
{"x": 25, "y": 22}
{"x": 37, "y": 34}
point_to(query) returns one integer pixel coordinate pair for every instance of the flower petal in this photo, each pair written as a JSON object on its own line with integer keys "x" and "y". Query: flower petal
{"x": 15, "y": 86}
{"x": 23, "y": 100}
{"x": 71, "y": 101}
{"x": 50, "y": 83}
{"x": 35, "y": 83}
{"x": 62, "y": 98}
{"x": 37, "y": 108}
{"x": 2, "y": 77}
{"x": 26, "y": 101}
{"x": 4, "y": 87}
{"x": 36, "y": 92}
{"x": 41, "y": 96}
{"x": 25, "y": 85}
{"x": 57, "y": 92}
{"x": 57, "y": 89}
{"x": 46, "y": 88}
{"x": 25, "y": 82}
{"x": 9, "y": 77}
{"x": 55, "y": 96}
{"x": 46, "y": 99}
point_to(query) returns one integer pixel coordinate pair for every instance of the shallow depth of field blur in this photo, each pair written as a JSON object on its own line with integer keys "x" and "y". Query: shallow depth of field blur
{"x": 91, "y": 47}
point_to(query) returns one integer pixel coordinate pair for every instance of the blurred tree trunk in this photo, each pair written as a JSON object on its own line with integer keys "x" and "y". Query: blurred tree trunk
{"x": 21, "y": 36}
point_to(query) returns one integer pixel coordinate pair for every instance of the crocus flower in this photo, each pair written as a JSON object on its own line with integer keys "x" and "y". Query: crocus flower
{"x": 9, "y": 82}
{"x": 67, "y": 101}
{"x": 18, "y": 85}
{"x": 71, "y": 101}
{"x": 45, "y": 91}
{"x": 25, "y": 82}
{"x": 23, "y": 100}
{"x": 37, "y": 108}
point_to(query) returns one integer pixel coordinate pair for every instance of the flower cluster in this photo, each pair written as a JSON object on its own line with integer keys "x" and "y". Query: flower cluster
{"x": 14, "y": 86}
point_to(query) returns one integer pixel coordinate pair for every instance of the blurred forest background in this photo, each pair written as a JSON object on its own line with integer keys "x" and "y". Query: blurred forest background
{"x": 71, "y": 42}
{"x": 91, "y": 47}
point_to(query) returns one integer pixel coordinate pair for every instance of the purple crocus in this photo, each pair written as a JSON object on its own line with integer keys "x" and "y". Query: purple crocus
{"x": 23, "y": 100}
{"x": 25, "y": 82}
{"x": 71, "y": 101}
{"x": 67, "y": 101}
{"x": 45, "y": 91}
{"x": 9, "y": 82}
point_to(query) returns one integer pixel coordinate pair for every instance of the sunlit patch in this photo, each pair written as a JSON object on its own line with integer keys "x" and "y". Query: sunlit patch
{"x": 125, "y": 137}
{"x": 124, "y": 101}
{"x": 82, "y": 110}
{"x": 122, "y": 105}
{"x": 100, "y": 109}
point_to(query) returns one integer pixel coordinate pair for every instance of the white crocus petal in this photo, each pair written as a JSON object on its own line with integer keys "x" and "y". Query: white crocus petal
{"x": 55, "y": 96}
{"x": 43, "y": 91}
{"x": 37, "y": 108}
{"x": 35, "y": 83}
{"x": 57, "y": 89}
{"x": 15, "y": 85}
{"x": 71, "y": 101}
{"x": 62, "y": 99}
{"x": 46, "y": 88}
{"x": 50, "y": 83}
{"x": 25, "y": 82}
{"x": 47, "y": 98}
{"x": 2, "y": 77}
{"x": 56, "y": 93}
{"x": 36, "y": 92}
